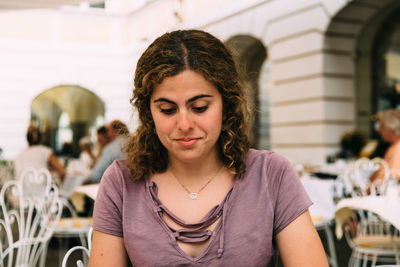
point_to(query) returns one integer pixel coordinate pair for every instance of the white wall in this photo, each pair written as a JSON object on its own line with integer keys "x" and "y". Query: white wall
{"x": 92, "y": 54}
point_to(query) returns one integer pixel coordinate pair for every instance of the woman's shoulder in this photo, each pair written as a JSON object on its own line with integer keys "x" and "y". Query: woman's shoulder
{"x": 268, "y": 165}
{"x": 34, "y": 151}
{"x": 265, "y": 156}
{"x": 116, "y": 183}
{"x": 40, "y": 148}
{"x": 119, "y": 174}
{"x": 117, "y": 169}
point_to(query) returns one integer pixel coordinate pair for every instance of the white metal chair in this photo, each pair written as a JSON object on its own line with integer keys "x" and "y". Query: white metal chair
{"x": 393, "y": 186}
{"x": 36, "y": 183}
{"x": 71, "y": 227}
{"x": 371, "y": 239}
{"x": 28, "y": 223}
{"x": 85, "y": 250}
{"x": 360, "y": 174}
{"x": 354, "y": 180}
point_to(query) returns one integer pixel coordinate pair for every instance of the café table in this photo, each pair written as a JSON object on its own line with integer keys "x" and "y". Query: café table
{"x": 70, "y": 183}
{"x": 321, "y": 192}
{"x": 79, "y": 193}
{"x": 388, "y": 208}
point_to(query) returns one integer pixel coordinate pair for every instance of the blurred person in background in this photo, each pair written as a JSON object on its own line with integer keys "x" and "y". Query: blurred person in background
{"x": 37, "y": 155}
{"x": 102, "y": 141}
{"x": 117, "y": 133}
{"x": 388, "y": 127}
{"x": 86, "y": 157}
{"x": 66, "y": 154}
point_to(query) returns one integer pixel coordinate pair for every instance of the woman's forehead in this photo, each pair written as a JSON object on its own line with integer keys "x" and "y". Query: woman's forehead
{"x": 185, "y": 84}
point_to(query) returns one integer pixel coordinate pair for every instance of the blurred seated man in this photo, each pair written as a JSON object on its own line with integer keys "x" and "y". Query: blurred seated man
{"x": 102, "y": 140}
{"x": 37, "y": 156}
{"x": 117, "y": 133}
{"x": 389, "y": 128}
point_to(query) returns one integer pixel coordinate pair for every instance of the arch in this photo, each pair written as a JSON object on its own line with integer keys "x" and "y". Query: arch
{"x": 82, "y": 106}
{"x": 350, "y": 38}
{"x": 251, "y": 54}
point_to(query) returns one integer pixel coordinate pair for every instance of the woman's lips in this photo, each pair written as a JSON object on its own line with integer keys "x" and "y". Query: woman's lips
{"x": 187, "y": 141}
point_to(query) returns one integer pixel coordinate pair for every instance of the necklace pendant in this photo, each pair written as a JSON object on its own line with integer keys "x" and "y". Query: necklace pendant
{"x": 193, "y": 195}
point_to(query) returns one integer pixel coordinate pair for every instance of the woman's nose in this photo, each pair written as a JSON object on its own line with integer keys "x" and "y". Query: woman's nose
{"x": 185, "y": 122}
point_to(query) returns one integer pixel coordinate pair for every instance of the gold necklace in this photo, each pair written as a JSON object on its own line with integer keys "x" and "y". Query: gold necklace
{"x": 193, "y": 195}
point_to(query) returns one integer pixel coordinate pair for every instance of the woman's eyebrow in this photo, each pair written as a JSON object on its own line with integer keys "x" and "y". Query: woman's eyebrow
{"x": 162, "y": 99}
{"x": 197, "y": 97}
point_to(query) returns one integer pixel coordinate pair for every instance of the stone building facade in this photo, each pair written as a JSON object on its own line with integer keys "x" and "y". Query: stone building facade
{"x": 314, "y": 69}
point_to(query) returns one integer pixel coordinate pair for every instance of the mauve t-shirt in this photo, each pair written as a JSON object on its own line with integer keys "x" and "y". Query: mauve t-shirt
{"x": 261, "y": 203}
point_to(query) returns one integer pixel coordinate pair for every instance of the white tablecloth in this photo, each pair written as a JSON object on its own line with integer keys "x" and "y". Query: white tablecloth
{"x": 388, "y": 208}
{"x": 79, "y": 193}
{"x": 321, "y": 193}
{"x": 70, "y": 183}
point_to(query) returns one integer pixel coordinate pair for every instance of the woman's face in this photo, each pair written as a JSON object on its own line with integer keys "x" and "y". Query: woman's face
{"x": 187, "y": 113}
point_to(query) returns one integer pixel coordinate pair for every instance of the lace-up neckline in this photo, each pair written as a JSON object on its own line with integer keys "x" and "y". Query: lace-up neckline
{"x": 192, "y": 232}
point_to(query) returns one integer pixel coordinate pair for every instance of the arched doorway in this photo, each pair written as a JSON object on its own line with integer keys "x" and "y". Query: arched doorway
{"x": 355, "y": 62}
{"x": 251, "y": 56}
{"x": 67, "y": 108}
{"x": 378, "y": 65}
{"x": 386, "y": 64}
{"x": 358, "y": 37}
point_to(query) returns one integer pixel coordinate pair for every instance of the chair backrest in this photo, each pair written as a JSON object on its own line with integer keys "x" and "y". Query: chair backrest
{"x": 27, "y": 224}
{"x": 360, "y": 175}
{"x": 85, "y": 250}
{"x": 343, "y": 185}
{"x": 35, "y": 182}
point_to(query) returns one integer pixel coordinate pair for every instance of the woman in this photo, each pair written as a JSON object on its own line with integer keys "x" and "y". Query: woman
{"x": 190, "y": 191}
{"x": 37, "y": 156}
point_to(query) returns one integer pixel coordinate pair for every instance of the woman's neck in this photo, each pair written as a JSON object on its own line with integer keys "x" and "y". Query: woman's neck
{"x": 196, "y": 170}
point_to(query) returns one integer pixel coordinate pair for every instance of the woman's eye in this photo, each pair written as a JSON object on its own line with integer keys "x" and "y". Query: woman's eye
{"x": 200, "y": 109}
{"x": 168, "y": 111}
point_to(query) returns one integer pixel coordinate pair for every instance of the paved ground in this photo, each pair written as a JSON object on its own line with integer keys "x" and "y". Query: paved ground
{"x": 342, "y": 250}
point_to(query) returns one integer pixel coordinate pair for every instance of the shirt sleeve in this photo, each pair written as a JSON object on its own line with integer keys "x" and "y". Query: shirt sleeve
{"x": 107, "y": 214}
{"x": 291, "y": 199}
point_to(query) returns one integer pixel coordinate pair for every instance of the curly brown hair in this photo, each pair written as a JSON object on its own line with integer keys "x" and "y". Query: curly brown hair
{"x": 167, "y": 56}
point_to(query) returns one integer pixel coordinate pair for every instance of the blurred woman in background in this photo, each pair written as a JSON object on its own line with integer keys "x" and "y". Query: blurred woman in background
{"x": 37, "y": 155}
